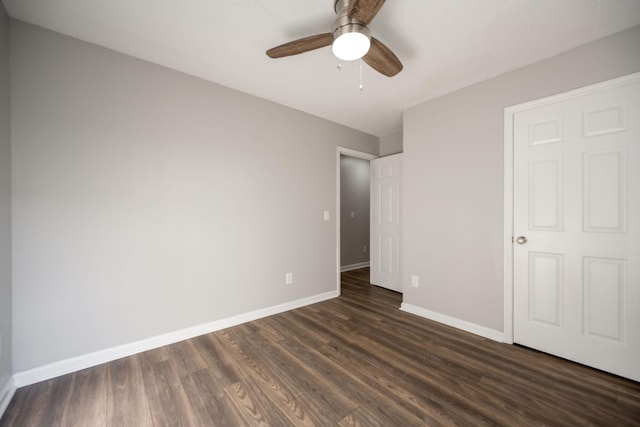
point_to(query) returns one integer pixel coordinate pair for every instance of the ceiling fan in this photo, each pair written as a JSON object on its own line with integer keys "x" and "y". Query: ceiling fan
{"x": 350, "y": 38}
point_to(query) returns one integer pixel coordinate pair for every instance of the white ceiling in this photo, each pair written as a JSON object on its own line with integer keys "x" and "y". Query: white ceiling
{"x": 443, "y": 44}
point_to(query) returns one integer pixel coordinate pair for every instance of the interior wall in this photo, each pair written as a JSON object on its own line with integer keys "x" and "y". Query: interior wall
{"x": 146, "y": 200}
{"x": 354, "y": 199}
{"x": 453, "y": 178}
{"x": 391, "y": 144}
{"x": 5, "y": 205}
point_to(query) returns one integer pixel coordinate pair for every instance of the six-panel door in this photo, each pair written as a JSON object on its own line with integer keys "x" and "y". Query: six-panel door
{"x": 577, "y": 203}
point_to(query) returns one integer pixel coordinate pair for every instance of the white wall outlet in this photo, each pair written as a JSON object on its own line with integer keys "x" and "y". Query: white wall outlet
{"x": 364, "y": 249}
{"x": 415, "y": 281}
{"x": 353, "y": 214}
{"x": 288, "y": 278}
{"x": 327, "y": 216}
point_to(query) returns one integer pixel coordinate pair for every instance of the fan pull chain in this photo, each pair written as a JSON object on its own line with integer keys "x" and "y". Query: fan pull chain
{"x": 339, "y": 67}
{"x": 361, "y": 86}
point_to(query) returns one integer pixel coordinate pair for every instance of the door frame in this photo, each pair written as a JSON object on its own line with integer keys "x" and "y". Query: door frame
{"x": 350, "y": 153}
{"x": 509, "y": 115}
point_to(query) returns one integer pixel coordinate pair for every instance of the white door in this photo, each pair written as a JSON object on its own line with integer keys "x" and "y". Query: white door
{"x": 577, "y": 227}
{"x": 386, "y": 231}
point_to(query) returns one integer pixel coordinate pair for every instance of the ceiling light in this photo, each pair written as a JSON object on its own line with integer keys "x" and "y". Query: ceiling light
{"x": 351, "y": 46}
{"x": 351, "y": 38}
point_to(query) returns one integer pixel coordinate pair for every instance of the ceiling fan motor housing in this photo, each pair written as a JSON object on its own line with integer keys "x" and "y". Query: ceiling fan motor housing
{"x": 345, "y": 24}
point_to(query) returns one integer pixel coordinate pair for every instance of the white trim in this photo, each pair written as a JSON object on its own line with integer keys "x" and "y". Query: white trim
{"x": 357, "y": 154}
{"x": 473, "y": 328}
{"x": 74, "y": 364}
{"x": 508, "y": 227}
{"x": 509, "y": 114}
{"x": 6, "y": 393}
{"x": 586, "y": 90}
{"x": 351, "y": 153}
{"x": 354, "y": 266}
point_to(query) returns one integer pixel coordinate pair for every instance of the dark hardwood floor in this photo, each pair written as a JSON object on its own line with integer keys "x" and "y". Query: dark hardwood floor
{"x": 351, "y": 361}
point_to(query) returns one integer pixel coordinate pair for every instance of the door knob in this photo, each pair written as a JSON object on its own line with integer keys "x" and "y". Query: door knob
{"x": 521, "y": 240}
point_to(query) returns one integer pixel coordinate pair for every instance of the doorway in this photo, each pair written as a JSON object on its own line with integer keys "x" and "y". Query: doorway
{"x": 352, "y": 210}
{"x": 354, "y": 213}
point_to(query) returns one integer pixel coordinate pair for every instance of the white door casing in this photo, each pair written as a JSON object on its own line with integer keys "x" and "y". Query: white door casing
{"x": 576, "y": 200}
{"x": 386, "y": 222}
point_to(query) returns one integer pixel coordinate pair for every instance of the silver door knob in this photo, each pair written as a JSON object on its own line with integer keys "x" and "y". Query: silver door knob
{"x": 521, "y": 240}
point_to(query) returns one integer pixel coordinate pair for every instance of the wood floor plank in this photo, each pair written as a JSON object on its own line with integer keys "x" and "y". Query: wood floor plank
{"x": 39, "y": 405}
{"x": 297, "y": 327}
{"x": 256, "y": 408}
{"x": 282, "y": 394}
{"x": 311, "y": 382}
{"x": 270, "y": 329}
{"x": 50, "y": 407}
{"x": 289, "y": 399}
{"x": 424, "y": 399}
{"x": 185, "y": 358}
{"x": 369, "y": 398}
{"x": 363, "y": 418}
{"x": 210, "y": 404}
{"x": 127, "y": 402}
{"x": 219, "y": 361}
{"x": 87, "y": 400}
{"x": 167, "y": 399}
{"x": 355, "y": 360}
{"x": 248, "y": 407}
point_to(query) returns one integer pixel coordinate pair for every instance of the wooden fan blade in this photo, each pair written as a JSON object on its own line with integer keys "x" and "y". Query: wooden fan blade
{"x": 301, "y": 45}
{"x": 364, "y": 10}
{"x": 381, "y": 59}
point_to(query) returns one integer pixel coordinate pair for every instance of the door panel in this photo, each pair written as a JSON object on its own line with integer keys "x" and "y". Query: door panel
{"x": 545, "y": 287}
{"x": 604, "y": 283}
{"x": 577, "y": 202}
{"x": 545, "y": 195}
{"x": 386, "y": 232}
{"x": 604, "y": 191}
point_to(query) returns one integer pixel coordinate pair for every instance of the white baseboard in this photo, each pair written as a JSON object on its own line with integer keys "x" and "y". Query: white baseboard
{"x": 483, "y": 331}
{"x": 74, "y": 364}
{"x": 354, "y": 266}
{"x": 6, "y": 393}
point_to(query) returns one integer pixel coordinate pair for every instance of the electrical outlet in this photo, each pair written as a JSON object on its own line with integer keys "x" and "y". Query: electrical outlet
{"x": 288, "y": 278}
{"x": 353, "y": 214}
{"x": 415, "y": 281}
{"x": 364, "y": 249}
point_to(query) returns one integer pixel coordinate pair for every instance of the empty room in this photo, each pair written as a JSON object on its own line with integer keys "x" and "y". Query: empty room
{"x": 319, "y": 212}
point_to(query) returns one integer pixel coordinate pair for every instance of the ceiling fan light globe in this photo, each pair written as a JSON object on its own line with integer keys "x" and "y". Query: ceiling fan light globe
{"x": 351, "y": 46}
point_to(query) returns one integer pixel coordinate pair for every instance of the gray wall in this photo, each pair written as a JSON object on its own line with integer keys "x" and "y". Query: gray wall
{"x": 391, "y": 144}
{"x": 354, "y": 197}
{"x": 453, "y": 182}
{"x": 146, "y": 200}
{"x": 5, "y": 204}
